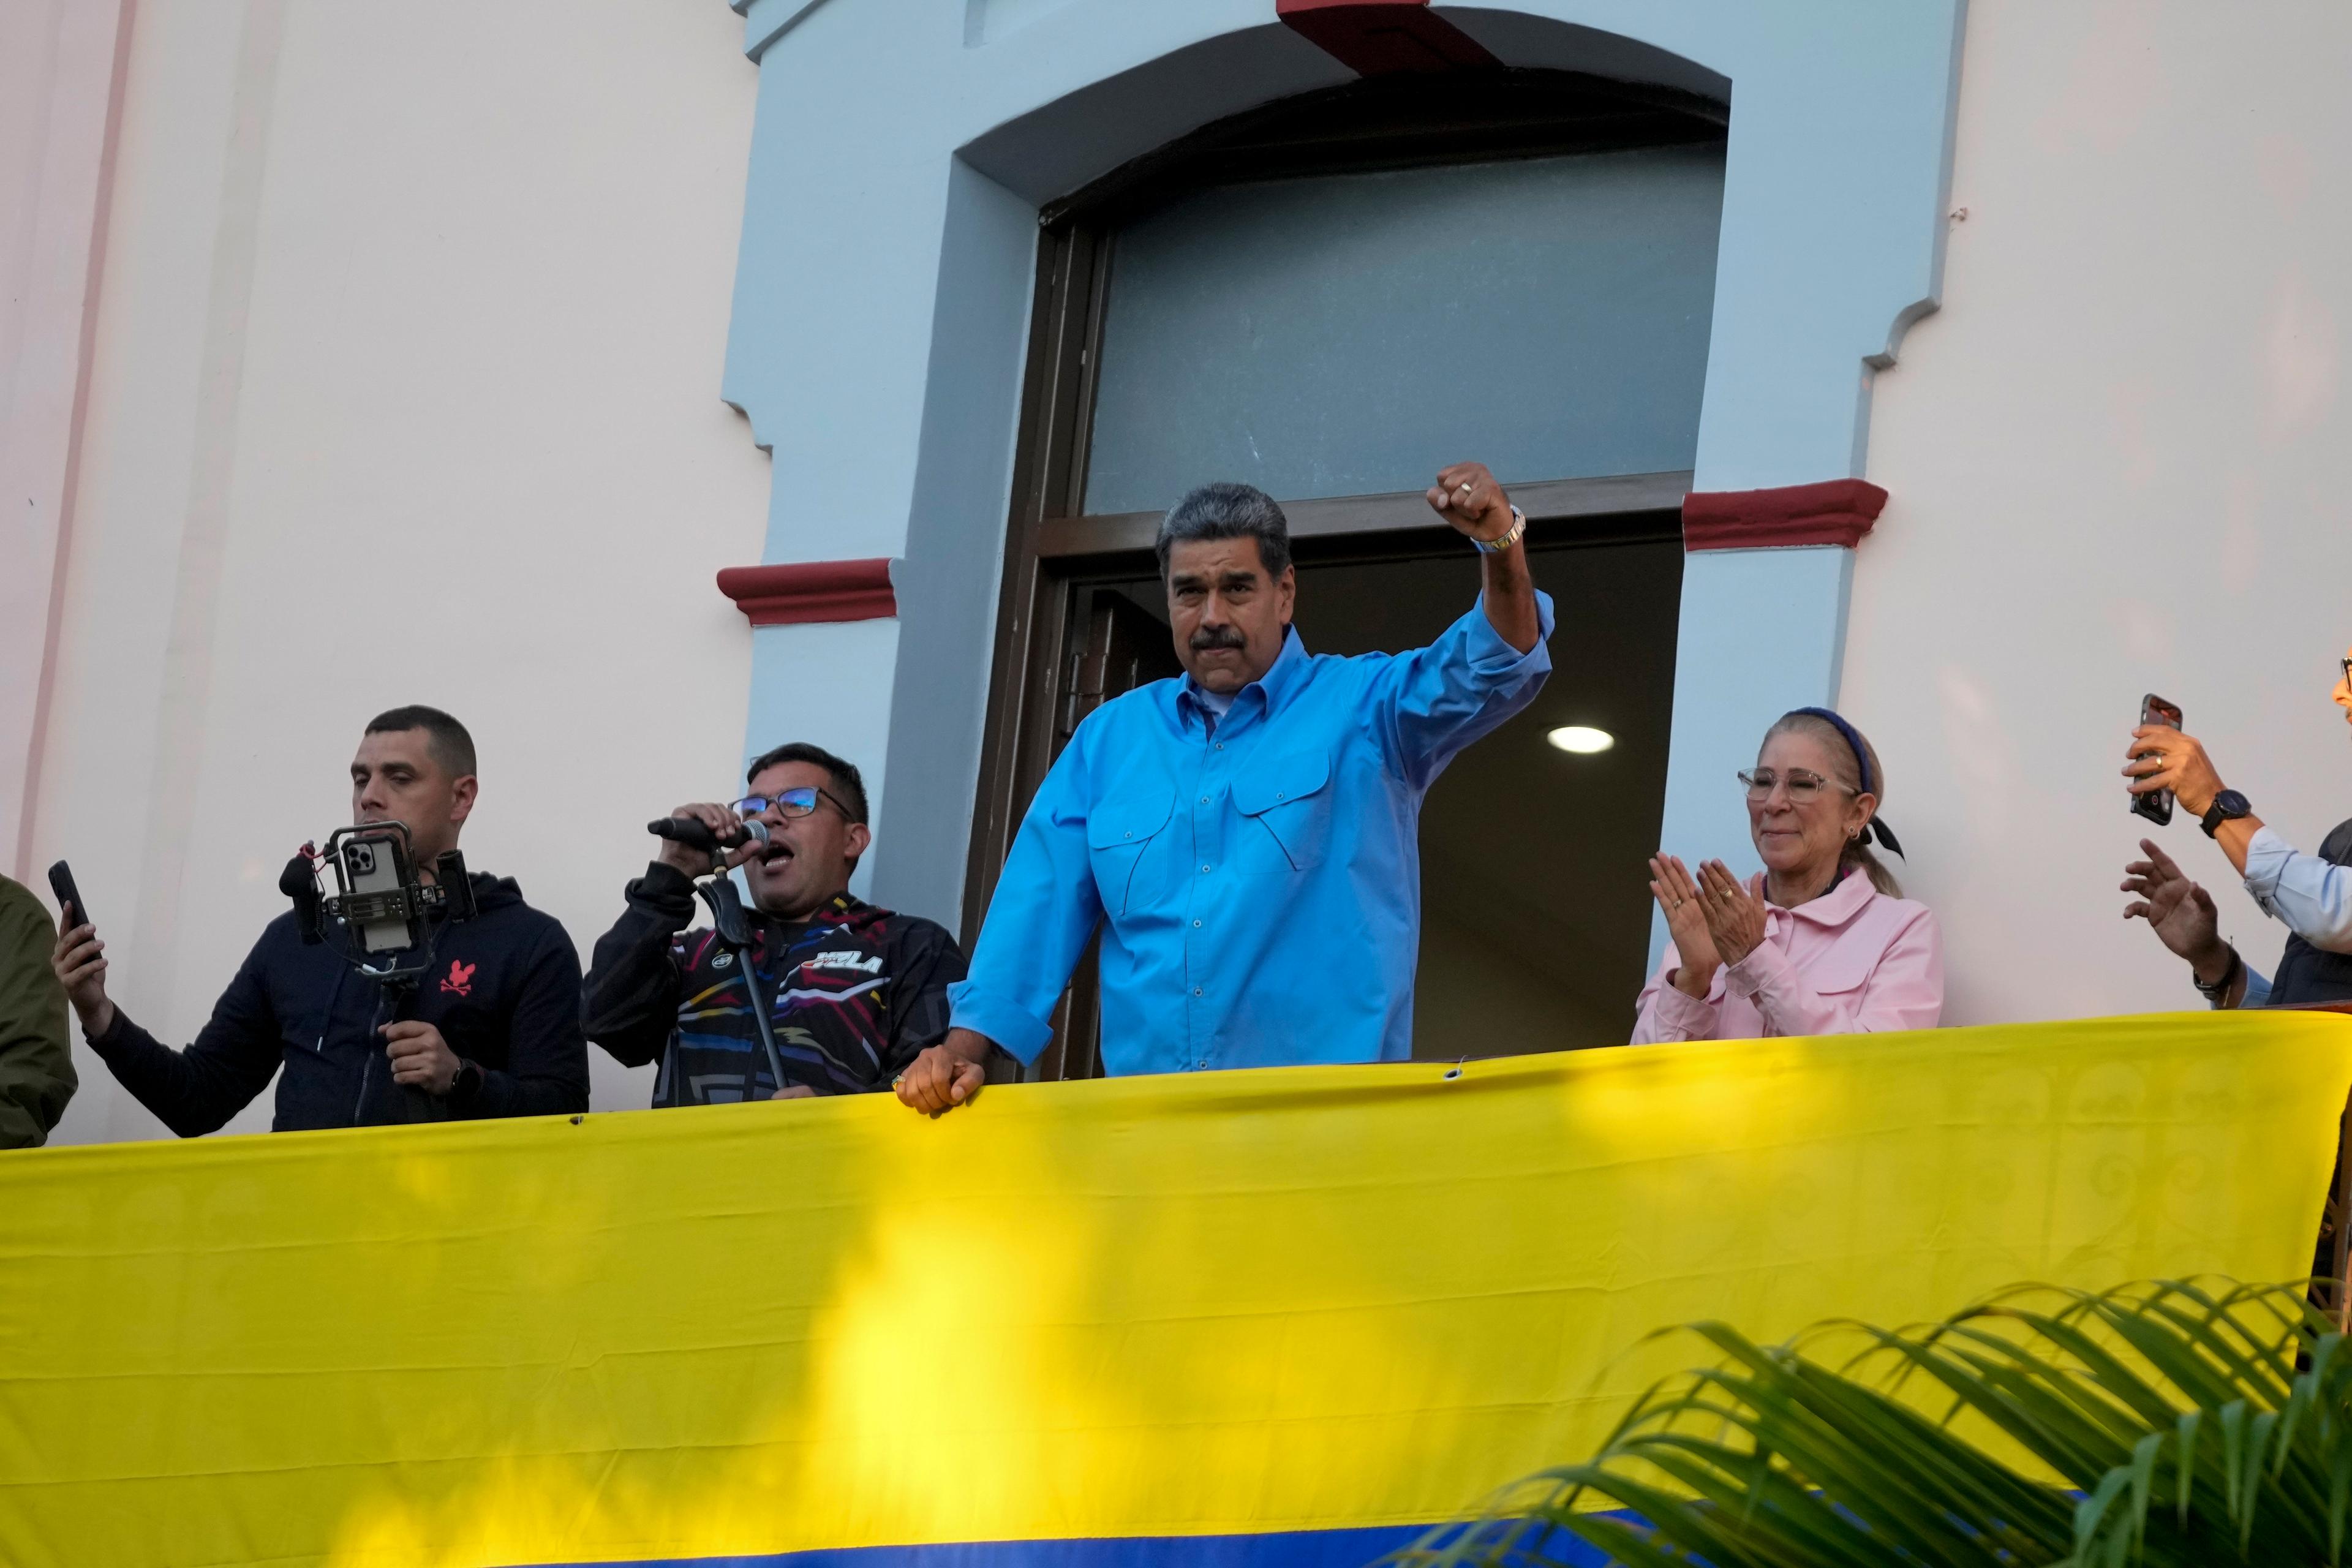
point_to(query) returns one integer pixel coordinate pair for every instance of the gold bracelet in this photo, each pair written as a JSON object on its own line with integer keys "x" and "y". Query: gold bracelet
{"x": 1497, "y": 545}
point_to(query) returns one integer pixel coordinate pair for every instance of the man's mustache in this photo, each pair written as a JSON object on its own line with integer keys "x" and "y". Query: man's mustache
{"x": 1208, "y": 637}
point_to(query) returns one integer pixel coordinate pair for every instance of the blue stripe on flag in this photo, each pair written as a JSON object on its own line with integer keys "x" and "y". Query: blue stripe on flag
{"x": 1277, "y": 1549}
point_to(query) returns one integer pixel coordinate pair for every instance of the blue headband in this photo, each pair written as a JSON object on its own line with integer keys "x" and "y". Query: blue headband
{"x": 1876, "y": 829}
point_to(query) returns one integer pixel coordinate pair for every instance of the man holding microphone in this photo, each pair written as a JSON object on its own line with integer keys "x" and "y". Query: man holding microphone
{"x": 852, "y": 992}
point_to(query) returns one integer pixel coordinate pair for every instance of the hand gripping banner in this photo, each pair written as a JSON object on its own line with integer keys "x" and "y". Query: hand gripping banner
{"x": 1254, "y": 1318}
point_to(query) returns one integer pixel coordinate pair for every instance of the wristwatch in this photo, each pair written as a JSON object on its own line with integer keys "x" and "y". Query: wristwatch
{"x": 2228, "y": 806}
{"x": 2220, "y": 990}
{"x": 1496, "y": 546}
{"x": 463, "y": 1085}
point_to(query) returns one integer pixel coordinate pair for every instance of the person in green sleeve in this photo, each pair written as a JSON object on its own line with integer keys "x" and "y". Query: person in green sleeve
{"x": 36, "y": 1071}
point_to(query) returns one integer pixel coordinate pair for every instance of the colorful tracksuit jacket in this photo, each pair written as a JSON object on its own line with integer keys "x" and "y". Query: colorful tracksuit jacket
{"x": 853, "y": 994}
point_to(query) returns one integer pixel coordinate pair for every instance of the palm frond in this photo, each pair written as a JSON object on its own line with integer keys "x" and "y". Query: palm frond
{"x": 2168, "y": 1424}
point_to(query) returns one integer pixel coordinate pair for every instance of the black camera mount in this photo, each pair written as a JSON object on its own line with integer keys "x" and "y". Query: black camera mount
{"x": 386, "y": 916}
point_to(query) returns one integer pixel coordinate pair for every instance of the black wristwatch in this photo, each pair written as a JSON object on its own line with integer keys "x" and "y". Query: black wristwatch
{"x": 466, "y": 1084}
{"x": 2219, "y": 991}
{"x": 2228, "y": 806}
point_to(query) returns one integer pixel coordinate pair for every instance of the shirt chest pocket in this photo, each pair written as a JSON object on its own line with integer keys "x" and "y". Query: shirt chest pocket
{"x": 1120, "y": 834}
{"x": 1285, "y": 803}
{"x": 1842, "y": 972}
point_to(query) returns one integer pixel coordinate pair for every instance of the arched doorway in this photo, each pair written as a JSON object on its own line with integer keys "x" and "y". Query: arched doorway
{"x": 1330, "y": 296}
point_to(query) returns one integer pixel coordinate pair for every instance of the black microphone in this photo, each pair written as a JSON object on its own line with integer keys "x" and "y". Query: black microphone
{"x": 695, "y": 834}
{"x": 299, "y": 883}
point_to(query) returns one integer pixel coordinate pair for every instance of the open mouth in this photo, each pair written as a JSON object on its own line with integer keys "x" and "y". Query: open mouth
{"x": 775, "y": 853}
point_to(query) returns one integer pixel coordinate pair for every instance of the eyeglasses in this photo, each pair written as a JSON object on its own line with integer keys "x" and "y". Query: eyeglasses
{"x": 1804, "y": 787}
{"x": 799, "y": 801}
{"x": 2347, "y": 663}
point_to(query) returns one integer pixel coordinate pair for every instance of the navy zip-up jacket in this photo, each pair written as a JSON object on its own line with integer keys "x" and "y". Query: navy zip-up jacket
{"x": 504, "y": 991}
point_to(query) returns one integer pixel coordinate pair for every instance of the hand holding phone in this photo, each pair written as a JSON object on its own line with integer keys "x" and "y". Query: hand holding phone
{"x": 79, "y": 962}
{"x": 2157, "y": 803}
{"x": 71, "y": 911}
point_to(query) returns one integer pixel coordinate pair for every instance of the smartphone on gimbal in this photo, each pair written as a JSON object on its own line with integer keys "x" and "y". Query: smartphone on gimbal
{"x": 378, "y": 863}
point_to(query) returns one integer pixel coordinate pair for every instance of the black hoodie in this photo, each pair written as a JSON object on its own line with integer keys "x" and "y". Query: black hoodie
{"x": 504, "y": 991}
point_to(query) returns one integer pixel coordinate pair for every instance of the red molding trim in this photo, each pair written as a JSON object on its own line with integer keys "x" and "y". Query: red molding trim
{"x": 1377, "y": 38}
{"x": 804, "y": 591}
{"x": 1835, "y": 511}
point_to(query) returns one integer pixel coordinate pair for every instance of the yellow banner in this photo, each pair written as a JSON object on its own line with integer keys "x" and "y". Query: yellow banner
{"x": 1253, "y": 1304}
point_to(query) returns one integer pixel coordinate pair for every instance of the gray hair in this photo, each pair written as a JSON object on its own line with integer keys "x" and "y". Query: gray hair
{"x": 1846, "y": 762}
{"x": 1228, "y": 511}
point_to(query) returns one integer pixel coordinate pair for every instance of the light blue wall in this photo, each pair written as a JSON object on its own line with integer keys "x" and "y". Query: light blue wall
{"x": 815, "y": 683}
{"x": 1761, "y": 631}
{"x": 955, "y": 543}
{"x": 862, "y": 302}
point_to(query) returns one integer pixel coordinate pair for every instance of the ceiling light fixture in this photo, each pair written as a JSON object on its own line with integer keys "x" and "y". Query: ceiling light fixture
{"x": 1581, "y": 738}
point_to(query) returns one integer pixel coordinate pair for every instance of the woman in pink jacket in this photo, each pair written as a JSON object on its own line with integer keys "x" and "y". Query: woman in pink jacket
{"x": 1821, "y": 942}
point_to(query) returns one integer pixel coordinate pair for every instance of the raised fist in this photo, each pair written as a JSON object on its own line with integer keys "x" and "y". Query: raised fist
{"x": 1466, "y": 495}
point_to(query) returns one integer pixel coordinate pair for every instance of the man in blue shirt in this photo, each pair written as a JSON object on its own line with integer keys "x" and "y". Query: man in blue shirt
{"x": 1248, "y": 835}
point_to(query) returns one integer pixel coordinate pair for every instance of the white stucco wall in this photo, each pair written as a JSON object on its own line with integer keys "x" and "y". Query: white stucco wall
{"x": 61, "y": 63}
{"x": 433, "y": 301}
{"x": 2117, "y": 459}
{"x": 406, "y": 389}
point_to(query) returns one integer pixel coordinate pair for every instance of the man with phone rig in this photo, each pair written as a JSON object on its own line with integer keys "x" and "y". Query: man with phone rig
{"x": 36, "y": 1070}
{"x": 491, "y": 1030}
{"x": 1247, "y": 836}
{"x": 853, "y": 992}
{"x": 2310, "y": 894}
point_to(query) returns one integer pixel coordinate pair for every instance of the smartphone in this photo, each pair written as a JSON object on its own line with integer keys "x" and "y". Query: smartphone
{"x": 2157, "y": 803}
{"x": 61, "y": 883}
{"x": 377, "y": 865}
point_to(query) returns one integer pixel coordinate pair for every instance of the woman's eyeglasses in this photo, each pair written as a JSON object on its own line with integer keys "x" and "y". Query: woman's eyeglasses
{"x": 1804, "y": 787}
{"x": 799, "y": 801}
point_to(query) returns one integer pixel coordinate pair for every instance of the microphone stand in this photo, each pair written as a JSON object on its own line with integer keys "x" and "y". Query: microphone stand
{"x": 734, "y": 924}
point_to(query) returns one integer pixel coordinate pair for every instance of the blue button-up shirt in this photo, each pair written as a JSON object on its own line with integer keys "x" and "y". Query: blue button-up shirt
{"x": 1258, "y": 878}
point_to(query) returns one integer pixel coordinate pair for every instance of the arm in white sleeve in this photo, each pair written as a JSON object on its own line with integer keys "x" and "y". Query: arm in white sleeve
{"x": 1905, "y": 991}
{"x": 2303, "y": 892}
{"x": 1670, "y": 1013}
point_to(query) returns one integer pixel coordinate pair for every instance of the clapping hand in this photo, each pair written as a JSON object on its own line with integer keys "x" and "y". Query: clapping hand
{"x": 1678, "y": 900}
{"x": 1735, "y": 914}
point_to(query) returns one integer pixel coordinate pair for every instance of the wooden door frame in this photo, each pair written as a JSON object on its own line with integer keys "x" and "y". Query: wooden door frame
{"x": 1033, "y": 604}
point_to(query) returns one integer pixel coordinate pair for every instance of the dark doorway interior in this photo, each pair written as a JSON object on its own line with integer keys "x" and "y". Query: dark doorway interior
{"x": 1535, "y": 898}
